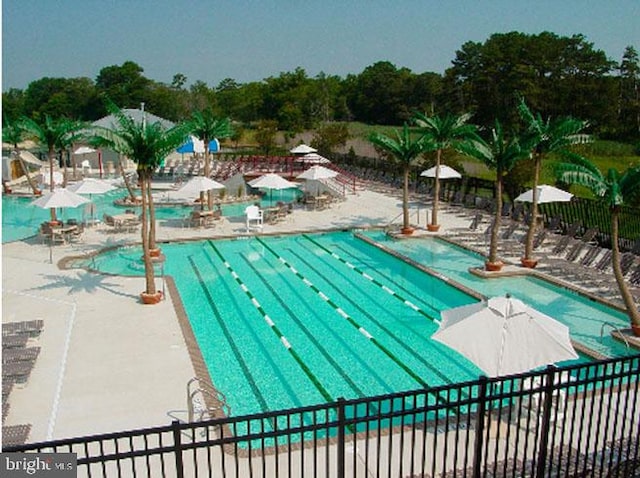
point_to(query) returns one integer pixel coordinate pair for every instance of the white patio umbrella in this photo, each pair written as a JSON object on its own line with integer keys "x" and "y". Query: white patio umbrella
{"x": 197, "y": 185}
{"x": 318, "y": 172}
{"x": 272, "y": 181}
{"x": 504, "y": 336}
{"x": 545, "y": 194}
{"x": 446, "y": 172}
{"x": 313, "y": 158}
{"x": 60, "y": 197}
{"x": 303, "y": 149}
{"x": 91, "y": 186}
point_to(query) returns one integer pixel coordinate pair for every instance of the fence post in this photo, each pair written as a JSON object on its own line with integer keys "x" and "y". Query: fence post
{"x": 177, "y": 448}
{"x": 341, "y": 436}
{"x": 479, "y": 442}
{"x": 546, "y": 420}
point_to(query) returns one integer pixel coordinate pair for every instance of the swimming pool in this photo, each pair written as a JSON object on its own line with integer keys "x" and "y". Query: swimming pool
{"x": 289, "y": 321}
{"x": 21, "y": 220}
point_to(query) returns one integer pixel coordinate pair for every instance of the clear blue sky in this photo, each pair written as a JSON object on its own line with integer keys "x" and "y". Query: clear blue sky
{"x": 249, "y": 40}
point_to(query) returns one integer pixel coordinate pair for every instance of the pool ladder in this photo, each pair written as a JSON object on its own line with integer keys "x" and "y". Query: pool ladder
{"x": 197, "y": 394}
{"x": 616, "y": 329}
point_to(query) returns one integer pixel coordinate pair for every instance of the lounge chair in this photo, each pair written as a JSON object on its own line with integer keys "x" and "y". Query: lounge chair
{"x": 254, "y": 219}
{"x": 15, "y": 355}
{"x": 29, "y": 327}
{"x": 15, "y": 435}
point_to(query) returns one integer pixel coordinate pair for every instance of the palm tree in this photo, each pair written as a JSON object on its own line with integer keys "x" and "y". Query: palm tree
{"x": 51, "y": 134}
{"x": 442, "y": 133}
{"x": 147, "y": 145}
{"x": 405, "y": 150}
{"x": 500, "y": 154}
{"x": 13, "y": 134}
{"x": 615, "y": 190}
{"x": 76, "y": 131}
{"x": 206, "y": 127}
{"x": 543, "y": 137}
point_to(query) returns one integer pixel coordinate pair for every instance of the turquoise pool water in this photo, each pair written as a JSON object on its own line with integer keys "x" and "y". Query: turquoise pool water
{"x": 583, "y": 316}
{"x": 295, "y": 320}
{"x": 21, "y": 220}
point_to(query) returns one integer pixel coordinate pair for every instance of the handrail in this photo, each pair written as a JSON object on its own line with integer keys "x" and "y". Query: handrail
{"x": 616, "y": 329}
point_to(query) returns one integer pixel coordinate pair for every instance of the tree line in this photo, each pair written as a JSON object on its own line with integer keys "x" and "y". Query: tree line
{"x": 558, "y": 75}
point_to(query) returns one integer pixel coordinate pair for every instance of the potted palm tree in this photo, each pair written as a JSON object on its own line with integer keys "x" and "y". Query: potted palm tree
{"x": 51, "y": 134}
{"x": 405, "y": 150}
{"x": 206, "y": 127}
{"x": 500, "y": 154}
{"x": 544, "y": 137}
{"x": 147, "y": 144}
{"x": 615, "y": 190}
{"x": 442, "y": 133}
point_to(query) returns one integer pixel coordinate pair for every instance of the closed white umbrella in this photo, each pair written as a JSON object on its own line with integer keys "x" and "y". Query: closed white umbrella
{"x": 504, "y": 336}
{"x": 545, "y": 194}
{"x": 446, "y": 172}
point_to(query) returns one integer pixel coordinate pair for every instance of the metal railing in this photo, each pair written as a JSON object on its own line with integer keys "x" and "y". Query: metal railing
{"x": 577, "y": 421}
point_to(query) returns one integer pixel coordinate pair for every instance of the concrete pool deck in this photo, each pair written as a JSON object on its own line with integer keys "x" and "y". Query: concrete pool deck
{"x": 108, "y": 363}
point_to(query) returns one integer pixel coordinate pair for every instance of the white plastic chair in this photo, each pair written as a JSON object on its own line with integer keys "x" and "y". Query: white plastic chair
{"x": 86, "y": 167}
{"x": 254, "y": 218}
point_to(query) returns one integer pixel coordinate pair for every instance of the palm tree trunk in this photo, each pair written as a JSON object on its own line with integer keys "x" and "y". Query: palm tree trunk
{"x": 493, "y": 246}
{"x": 152, "y": 214}
{"x": 51, "y": 185}
{"x": 436, "y": 190}
{"x": 126, "y": 181}
{"x": 23, "y": 165}
{"x": 627, "y": 298}
{"x": 405, "y": 199}
{"x": 150, "y": 283}
{"x": 207, "y": 172}
{"x": 531, "y": 232}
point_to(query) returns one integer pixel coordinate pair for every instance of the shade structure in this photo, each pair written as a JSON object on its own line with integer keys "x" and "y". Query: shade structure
{"x": 199, "y": 184}
{"x": 318, "y": 172}
{"x": 59, "y": 198}
{"x": 504, "y": 336}
{"x": 545, "y": 194}
{"x": 303, "y": 149}
{"x": 272, "y": 181}
{"x": 446, "y": 172}
{"x": 84, "y": 150}
{"x": 312, "y": 158}
{"x": 91, "y": 186}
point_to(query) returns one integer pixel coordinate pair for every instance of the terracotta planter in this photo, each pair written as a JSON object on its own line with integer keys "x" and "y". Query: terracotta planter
{"x": 493, "y": 266}
{"x": 529, "y": 263}
{"x": 37, "y": 192}
{"x": 407, "y": 231}
{"x": 155, "y": 252}
{"x": 150, "y": 299}
{"x": 636, "y": 330}
{"x": 433, "y": 227}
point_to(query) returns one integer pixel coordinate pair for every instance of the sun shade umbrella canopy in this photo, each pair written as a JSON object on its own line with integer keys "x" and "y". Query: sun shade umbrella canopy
{"x": 91, "y": 186}
{"x": 312, "y": 158}
{"x": 303, "y": 149}
{"x": 317, "y": 172}
{"x": 59, "y": 198}
{"x": 504, "y": 336}
{"x": 545, "y": 194}
{"x": 446, "y": 172}
{"x": 272, "y": 181}
{"x": 199, "y": 184}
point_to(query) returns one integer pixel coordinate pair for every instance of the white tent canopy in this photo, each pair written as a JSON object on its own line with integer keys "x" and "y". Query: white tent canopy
{"x": 504, "y": 336}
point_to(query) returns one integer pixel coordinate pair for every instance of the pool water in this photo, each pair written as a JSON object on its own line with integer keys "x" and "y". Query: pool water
{"x": 21, "y": 220}
{"x": 282, "y": 323}
{"x": 583, "y": 316}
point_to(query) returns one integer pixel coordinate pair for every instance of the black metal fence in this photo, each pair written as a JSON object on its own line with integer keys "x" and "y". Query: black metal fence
{"x": 577, "y": 421}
